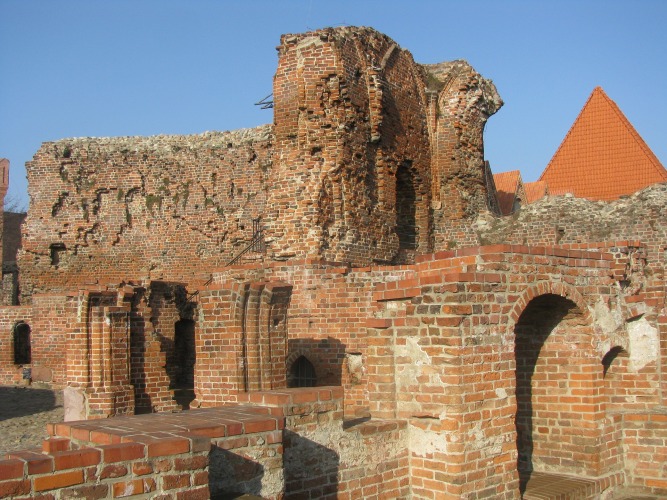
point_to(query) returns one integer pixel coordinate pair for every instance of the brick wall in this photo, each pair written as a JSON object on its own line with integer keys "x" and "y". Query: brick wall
{"x": 344, "y": 99}
{"x": 326, "y": 321}
{"x": 324, "y": 458}
{"x": 50, "y": 334}
{"x": 11, "y": 372}
{"x": 188, "y": 455}
{"x": 368, "y": 146}
{"x": 645, "y": 448}
{"x": 451, "y": 348}
{"x": 123, "y": 209}
{"x": 462, "y": 102}
{"x": 281, "y": 444}
{"x": 11, "y": 236}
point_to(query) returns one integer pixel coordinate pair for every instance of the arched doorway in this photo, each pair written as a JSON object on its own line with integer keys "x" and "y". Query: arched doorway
{"x": 557, "y": 389}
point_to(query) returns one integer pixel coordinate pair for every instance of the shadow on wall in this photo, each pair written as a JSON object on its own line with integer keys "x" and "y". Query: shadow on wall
{"x": 180, "y": 359}
{"x": 311, "y": 469}
{"x": 142, "y": 399}
{"x": 326, "y": 356}
{"x": 21, "y": 401}
{"x": 231, "y": 475}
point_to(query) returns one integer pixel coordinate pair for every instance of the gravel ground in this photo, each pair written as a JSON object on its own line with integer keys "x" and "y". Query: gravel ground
{"x": 24, "y": 413}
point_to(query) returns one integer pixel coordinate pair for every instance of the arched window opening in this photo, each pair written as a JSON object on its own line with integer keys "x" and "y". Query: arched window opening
{"x": 406, "y": 212}
{"x": 22, "y": 353}
{"x": 301, "y": 373}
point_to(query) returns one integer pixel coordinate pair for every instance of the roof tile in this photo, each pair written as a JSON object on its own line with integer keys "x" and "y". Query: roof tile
{"x": 506, "y": 189}
{"x": 602, "y": 156}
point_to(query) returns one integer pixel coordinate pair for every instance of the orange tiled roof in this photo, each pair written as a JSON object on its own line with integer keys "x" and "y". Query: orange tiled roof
{"x": 535, "y": 191}
{"x": 602, "y": 156}
{"x": 506, "y": 189}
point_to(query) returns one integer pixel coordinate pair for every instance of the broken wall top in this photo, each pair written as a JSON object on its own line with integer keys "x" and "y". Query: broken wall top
{"x": 362, "y": 164}
{"x": 163, "y": 207}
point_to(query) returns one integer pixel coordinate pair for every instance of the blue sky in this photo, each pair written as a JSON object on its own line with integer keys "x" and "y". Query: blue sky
{"x": 78, "y": 68}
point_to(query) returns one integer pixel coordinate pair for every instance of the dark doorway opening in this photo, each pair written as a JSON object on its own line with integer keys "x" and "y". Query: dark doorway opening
{"x": 184, "y": 361}
{"x": 22, "y": 350}
{"x": 557, "y": 402}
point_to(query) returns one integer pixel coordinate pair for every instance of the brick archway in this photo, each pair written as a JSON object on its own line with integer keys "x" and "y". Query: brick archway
{"x": 544, "y": 288}
{"x": 558, "y": 383}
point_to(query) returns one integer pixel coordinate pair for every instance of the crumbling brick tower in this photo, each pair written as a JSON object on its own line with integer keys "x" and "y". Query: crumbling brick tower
{"x": 374, "y": 153}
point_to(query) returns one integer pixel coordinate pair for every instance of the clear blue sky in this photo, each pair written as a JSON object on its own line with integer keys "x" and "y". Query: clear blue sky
{"x": 76, "y": 68}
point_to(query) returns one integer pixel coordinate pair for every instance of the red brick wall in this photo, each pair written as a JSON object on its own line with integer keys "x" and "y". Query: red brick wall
{"x": 129, "y": 209}
{"x": 325, "y": 322}
{"x": 442, "y": 355}
{"x": 189, "y": 456}
{"x": 50, "y": 335}
{"x": 363, "y": 154}
{"x": 462, "y": 103}
{"x": 10, "y": 372}
{"x": 344, "y": 100}
{"x": 645, "y": 446}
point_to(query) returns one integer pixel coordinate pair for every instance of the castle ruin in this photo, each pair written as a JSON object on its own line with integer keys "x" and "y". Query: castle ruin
{"x": 335, "y": 301}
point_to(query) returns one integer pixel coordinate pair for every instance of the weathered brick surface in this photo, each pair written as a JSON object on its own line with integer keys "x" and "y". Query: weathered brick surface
{"x": 195, "y": 195}
{"x": 343, "y": 99}
{"x": 169, "y": 458}
{"x": 459, "y": 371}
{"x": 11, "y": 372}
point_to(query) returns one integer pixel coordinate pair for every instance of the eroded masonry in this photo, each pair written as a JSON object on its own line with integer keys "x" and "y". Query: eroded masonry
{"x": 338, "y": 286}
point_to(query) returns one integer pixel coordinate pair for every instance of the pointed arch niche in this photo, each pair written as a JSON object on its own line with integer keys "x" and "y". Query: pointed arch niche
{"x": 558, "y": 389}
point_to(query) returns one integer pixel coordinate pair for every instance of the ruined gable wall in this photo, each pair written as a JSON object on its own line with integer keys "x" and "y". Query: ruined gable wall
{"x": 350, "y": 179}
{"x": 349, "y": 111}
{"x": 120, "y": 209}
{"x": 461, "y": 101}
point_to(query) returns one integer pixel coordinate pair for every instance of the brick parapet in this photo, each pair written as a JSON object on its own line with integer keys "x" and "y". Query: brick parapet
{"x": 168, "y": 454}
{"x": 130, "y": 470}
